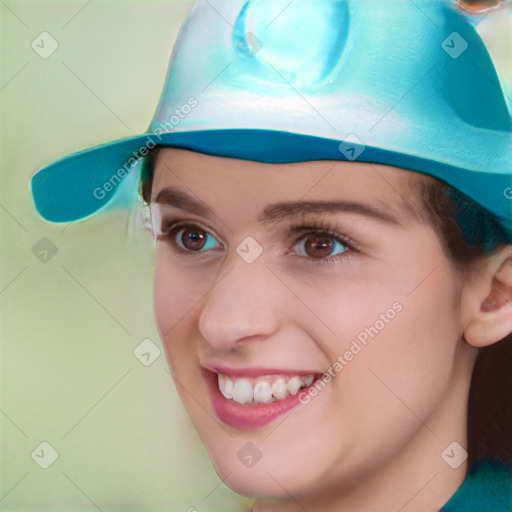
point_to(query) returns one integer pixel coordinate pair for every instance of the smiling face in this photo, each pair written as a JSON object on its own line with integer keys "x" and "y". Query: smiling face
{"x": 268, "y": 274}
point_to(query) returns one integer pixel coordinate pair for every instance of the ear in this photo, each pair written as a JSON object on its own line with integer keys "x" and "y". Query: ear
{"x": 487, "y": 299}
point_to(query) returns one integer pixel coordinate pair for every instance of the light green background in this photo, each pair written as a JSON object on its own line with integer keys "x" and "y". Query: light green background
{"x": 68, "y": 327}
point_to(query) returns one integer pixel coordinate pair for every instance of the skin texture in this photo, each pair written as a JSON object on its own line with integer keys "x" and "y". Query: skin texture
{"x": 372, "y": 439}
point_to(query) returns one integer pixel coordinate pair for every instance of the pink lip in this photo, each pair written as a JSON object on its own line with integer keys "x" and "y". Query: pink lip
{"x": 248, "y": 417}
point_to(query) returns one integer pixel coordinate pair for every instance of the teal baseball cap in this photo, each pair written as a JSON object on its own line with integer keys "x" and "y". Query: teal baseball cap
{"x": 407, "y": 84}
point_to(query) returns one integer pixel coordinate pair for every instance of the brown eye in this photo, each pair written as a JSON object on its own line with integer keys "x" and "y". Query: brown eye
{"x": 193, "y": 239}
{"x": 187, "y": 238}
{"x": 319, "y": 246}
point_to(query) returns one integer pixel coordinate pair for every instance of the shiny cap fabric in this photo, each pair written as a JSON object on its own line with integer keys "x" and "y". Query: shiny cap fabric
{"x": 409, "y": 84}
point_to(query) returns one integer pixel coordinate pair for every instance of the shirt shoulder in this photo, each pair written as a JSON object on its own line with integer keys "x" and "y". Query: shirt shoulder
{"x": 487, "y": 488}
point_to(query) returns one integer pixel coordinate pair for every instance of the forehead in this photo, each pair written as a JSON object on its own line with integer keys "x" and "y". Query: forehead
{"x": 250, "y": 184}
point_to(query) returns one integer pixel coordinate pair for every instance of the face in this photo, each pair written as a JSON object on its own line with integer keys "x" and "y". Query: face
{"x": 274, "y": 275}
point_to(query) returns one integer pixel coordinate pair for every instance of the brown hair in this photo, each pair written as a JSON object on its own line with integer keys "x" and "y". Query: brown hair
{"x": 467, "y": 232}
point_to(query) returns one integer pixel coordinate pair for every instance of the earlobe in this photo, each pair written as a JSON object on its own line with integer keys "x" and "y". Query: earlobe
{"x": 489, "y": 300}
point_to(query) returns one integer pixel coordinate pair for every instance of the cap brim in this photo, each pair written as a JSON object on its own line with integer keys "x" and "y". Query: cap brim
{"x": 79, "y": 185}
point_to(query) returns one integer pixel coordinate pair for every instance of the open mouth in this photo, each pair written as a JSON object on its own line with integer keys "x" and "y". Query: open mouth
{"x": 253, "y": 402}
{"x": 262, "y": 390}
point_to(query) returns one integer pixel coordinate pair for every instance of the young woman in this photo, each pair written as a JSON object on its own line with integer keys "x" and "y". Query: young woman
{"x": 333, "y": 258}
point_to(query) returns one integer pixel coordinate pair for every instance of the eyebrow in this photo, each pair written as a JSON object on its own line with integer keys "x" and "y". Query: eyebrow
{"x": 281, "y": 211}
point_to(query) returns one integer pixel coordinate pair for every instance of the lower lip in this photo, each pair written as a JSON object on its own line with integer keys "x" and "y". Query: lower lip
{"x": 248, "y": 417}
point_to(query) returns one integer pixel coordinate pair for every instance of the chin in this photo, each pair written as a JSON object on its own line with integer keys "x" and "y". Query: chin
{"x": 270, "y": 477}
{"x": 254, "y": 485}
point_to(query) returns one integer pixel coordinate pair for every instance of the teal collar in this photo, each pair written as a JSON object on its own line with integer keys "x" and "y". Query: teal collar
{"x": 487, "y": 488}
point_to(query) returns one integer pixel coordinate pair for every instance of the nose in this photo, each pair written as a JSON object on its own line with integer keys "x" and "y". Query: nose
{"x": 245, "y": 303}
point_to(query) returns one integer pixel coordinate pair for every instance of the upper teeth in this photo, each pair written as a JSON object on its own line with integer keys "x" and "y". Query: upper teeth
{"x": 264, "y": 389}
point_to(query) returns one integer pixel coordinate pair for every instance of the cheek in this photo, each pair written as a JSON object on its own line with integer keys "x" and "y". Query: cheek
{"x": 432, "y": 322}
{"x": 405, "y": 366}
{"x": 167, "y": 307}
{"x": 400, "y": 332}
{"x": 176, "y": 296}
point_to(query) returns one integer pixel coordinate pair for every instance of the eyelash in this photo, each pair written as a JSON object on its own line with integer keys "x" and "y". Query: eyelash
{"x": 321, "y": 227}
